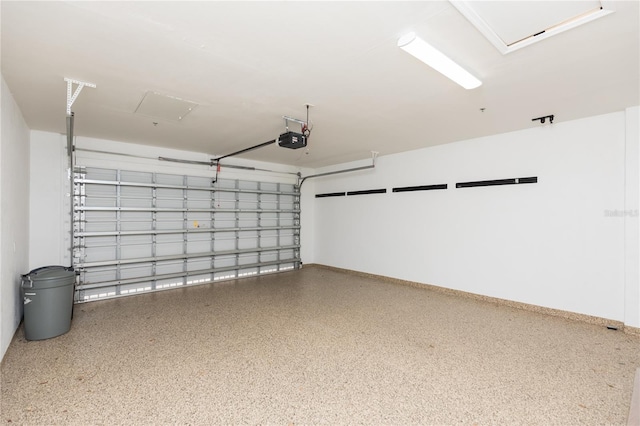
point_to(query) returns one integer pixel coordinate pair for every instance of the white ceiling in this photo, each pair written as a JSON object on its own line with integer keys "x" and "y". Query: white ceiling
{"x": 246, "y": 64}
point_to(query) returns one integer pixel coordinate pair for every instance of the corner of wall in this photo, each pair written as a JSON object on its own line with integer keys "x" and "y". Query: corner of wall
{"x": 307, "y": 219}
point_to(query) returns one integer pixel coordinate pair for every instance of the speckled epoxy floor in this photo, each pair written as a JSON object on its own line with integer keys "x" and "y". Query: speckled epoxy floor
{"x": 318, "y": 346}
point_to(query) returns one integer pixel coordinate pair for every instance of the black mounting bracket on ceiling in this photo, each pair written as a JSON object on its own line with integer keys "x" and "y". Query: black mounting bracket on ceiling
{"x": 543, "y": 118}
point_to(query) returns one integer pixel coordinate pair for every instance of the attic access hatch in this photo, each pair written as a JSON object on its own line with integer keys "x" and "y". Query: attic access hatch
{"x": 512, "y": 25}
{"x": 156, "y": 105}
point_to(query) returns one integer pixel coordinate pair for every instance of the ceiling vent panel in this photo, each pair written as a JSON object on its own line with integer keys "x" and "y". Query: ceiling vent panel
{"x": 512, "y": 25}
{"x": 164, "y": 107}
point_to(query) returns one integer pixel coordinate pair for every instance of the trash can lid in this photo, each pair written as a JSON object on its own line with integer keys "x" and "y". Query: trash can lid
{"x": 51, "y": 275}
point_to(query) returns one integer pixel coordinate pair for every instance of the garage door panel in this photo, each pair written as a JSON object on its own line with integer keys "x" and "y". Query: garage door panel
{"x": 199, "y": 279}
{"x": 247, "y": 272}
{"x": 247, "y": 220}
{"x": 247, "y": 185}
{"x": 247, "y": 259}
{"x": 135, "y": 176}
{"x": 247, "y": 240}
{"x": 168, "y": 179}
{"x": 169, "y": 267}
{"x": 96, "y": 275}
{"x": 199, "y": 181}
{"x": 133, "y": 240}
{"x": 268, "y": 241}
{"x": 286, "y": 240}
{"x": 135, "y": 251}
{"x": 198, "y": 264}
{"x": 134, "y": 288}
{"x": 168, "y": 248}
{"x": 271, "y": 256}
{"x": 198, "y": 247}
{"x": 199, "y": 204}
{"x": 96, "y": 173}
{"x": 99, "y": 254}
{"x": 134, "y": 221}
{"x": 199, "y": 217}
{"x": 284, "y": 222}
{"x": 131, "y": 196}
{"x": 100, "y": 196}
{"x": 199, "y": 236}
{"x": 224, "y": 261}
{"x": 97, "y": 221}
{"x": 269, "y": 219}
{"x": 227, "y": 244}
{"x": 225, "y": 220}
{"x": 99, "y": 293}
{"x": 140, "y": 231}
{"x": 136, "y": 271}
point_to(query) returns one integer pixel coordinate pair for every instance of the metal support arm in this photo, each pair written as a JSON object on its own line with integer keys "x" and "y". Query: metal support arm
{"x": 374, "y": 155}
{"x": 71, "y": 98}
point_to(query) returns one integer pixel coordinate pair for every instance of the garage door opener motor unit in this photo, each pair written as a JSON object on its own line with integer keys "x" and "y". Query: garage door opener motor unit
{"x": 295, "y": 140}
{"x": 292, "y": 140}
{"x": 288, "y": 139}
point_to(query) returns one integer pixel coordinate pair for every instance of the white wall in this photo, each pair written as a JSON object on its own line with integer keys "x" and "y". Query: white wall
{"x": 50, "y": 225}
{"x": 555, "y": 243}
{"x": 48, "y": 215}
{"x": 14, "y": 213}
{"x": 631, "y": 212}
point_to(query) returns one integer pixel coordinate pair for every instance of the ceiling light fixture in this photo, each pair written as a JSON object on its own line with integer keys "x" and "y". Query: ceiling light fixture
{"x": 431, "y": 56}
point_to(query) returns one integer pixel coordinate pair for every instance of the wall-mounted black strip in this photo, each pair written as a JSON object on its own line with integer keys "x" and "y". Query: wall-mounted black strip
{"x": 486, "y": 183}
{"x": 513, "y": 181}
{"x": 533, "y": 179}
{"x": 368, "y": 191}
{"x": 419, "y": 188}
{"x": 331, "y": 194}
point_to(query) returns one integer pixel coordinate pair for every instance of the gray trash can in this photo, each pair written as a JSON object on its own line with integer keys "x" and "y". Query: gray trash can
{"x": 47, "y": 294}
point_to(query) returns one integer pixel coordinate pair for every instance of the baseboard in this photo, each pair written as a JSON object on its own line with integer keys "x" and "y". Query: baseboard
{"x": 605, "y": 322}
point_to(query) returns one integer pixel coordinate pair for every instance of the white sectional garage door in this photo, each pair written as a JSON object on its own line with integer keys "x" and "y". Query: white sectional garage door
{"x": 140, "y": 232}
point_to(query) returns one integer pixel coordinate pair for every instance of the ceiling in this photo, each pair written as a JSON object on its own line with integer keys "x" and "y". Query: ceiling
{"x": 246, "y": 64}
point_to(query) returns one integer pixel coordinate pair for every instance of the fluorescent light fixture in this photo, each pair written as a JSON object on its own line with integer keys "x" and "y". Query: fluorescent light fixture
{"x": 431, "y": 56}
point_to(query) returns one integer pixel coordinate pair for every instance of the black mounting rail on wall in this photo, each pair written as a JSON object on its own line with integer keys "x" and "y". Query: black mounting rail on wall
{"x": 331, "y": 194}
{"x": 420, "y": 188}
{"x": 495, "y": 182}
{"x": 368, "y": 191}
{"x": 342, "y": 194}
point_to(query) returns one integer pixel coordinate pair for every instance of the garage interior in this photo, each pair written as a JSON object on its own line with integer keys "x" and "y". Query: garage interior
{"x": 277, "y": 213}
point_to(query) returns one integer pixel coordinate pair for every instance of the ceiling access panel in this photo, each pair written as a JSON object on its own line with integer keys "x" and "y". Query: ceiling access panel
{"x": 512, "y": 25}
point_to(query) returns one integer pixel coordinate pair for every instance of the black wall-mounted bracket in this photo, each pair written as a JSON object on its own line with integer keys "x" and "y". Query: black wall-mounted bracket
{"x": 543, "y": 118}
